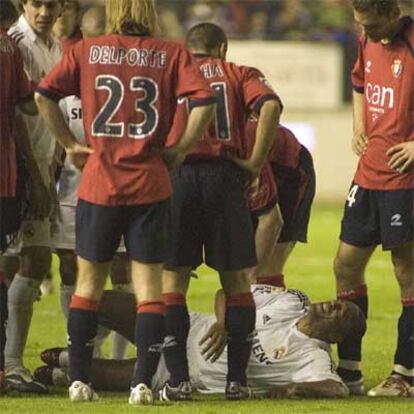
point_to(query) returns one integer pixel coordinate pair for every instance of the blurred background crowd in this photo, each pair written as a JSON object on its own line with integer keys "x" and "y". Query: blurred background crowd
{"x": 288, "y": 20}
{"x": 313, "y": 20}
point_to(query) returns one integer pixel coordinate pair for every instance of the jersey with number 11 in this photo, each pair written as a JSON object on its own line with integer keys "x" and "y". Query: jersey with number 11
{"x": 239, "y": 91}
{"x": 129, "y": 86}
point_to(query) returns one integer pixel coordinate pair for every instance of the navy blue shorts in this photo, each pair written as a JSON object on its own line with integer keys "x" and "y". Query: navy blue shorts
{"x": 210, "y": 220}
{"x": 296, "y": 190}
{"x": 145, "y": 229}
{"x": 374, "y": 217}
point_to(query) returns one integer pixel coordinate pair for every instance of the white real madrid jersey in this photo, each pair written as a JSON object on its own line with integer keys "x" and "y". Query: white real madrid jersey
{"x": 38, "y": 60}
{"x": 278, "y": 310}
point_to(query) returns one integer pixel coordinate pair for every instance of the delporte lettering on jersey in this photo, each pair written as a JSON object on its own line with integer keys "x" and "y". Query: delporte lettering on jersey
{"x": 111, "y": 55}
{"x": 211, "y": 70}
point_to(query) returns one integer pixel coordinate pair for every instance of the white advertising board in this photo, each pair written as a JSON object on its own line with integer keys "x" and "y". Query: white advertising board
{"x": 306, "y": 75}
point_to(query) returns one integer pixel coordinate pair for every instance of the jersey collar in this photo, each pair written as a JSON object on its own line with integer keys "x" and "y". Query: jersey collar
{"x": 26, "y": 29}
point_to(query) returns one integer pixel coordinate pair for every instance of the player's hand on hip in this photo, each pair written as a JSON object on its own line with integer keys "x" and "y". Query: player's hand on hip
{"x": 401, "y": 156}
{"x": 359, "y": 143}
{"x": 247, "y": 165}
{"x": 78, "y": 155}
{"x": 214, "y": 342}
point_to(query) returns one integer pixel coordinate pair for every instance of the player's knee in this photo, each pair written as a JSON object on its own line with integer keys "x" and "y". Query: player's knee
{"x": 405, "y": 277}
{"x": 176, "y": 281}
{"x": 404, "y": 271}
{"x": 235, "y": 282}
{"x": 347, "y": 271}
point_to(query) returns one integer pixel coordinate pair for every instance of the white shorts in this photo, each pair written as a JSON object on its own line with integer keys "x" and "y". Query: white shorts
{"x": 64, "y": 235}
{"x": 34, "y": 233}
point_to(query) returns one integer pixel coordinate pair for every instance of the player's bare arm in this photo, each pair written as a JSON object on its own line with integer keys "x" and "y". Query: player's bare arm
{"x": 37, "y": 193}
{"x": 317, "y": 389}
{"x": 265, "y": 135}
{"x": 197, "y": 121}
{"x": 359, "y": 139}
{"x": 51, "y": 113}
{"x": 401, "y": 156}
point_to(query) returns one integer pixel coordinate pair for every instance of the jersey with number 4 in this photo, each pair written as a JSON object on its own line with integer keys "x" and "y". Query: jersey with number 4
{"x": 129, "y": 86}
{"x": 239, "y": 91}
{"x": 384, "y": 73}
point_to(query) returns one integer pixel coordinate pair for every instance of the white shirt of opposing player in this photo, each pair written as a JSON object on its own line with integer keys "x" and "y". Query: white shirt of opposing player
{"x": 38, "y": 60}
{"x": 71, "y": 108}
{"x": 278, "y": 310}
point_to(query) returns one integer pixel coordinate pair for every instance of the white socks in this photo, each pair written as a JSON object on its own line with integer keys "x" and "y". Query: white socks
{"x": 21, "y": 295}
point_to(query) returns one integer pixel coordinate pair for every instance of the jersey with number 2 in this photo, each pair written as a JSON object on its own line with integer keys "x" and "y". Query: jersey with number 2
{"x": 129, "y": 86}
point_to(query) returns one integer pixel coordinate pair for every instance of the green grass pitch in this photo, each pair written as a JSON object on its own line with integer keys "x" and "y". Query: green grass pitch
{"x": 310, "y": 269}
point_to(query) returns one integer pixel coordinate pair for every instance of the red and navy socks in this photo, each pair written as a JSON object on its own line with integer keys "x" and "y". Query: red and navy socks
{"x": 149, "y": 337}
{"x": 240, "y": 323}
{"x": 177, "y": 327}
{"x": 82, "y": 328}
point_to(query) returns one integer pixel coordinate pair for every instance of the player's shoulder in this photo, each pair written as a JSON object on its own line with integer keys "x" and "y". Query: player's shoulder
{"x": 249, "y": 71}
{"x": 22, "y": 34}
{"x": 20, "y": 38}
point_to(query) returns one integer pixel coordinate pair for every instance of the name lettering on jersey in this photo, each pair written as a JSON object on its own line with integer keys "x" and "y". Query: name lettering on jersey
{"x": 260, "y": 354}
{"x": 379, "y": 96}
{"x": 75, "y": 113}
{"x": 111, "y": 55}
{"x": 211, "y": 70}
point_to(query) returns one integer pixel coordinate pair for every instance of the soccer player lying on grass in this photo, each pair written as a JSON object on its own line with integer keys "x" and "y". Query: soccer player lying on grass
{"x": 290, "y": 354}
